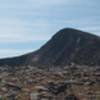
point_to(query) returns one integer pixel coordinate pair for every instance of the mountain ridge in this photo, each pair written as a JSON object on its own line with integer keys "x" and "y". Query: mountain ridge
{"x": 65, "y": 47}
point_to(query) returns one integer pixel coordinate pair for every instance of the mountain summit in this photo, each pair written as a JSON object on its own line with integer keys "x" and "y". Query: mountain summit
{"x": 65, "y": 47}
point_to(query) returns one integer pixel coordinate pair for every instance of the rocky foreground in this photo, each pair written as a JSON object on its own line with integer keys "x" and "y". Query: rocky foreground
{"x": 68, "y": 83}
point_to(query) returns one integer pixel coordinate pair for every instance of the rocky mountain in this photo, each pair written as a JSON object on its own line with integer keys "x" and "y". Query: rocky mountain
{"x": 74, "y": 72}
{"x": 65, "y": 47}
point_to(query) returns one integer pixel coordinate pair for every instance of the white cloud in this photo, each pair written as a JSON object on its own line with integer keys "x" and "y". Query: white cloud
{"x": 92, "y": 28}
{"x": 12, "y": 52}
{"x": 47, "y": 2}
{"x": 11, "y": 38}
{"x": 14, "y": 30}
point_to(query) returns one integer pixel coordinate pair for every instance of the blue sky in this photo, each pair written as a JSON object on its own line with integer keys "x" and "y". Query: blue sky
{"x": 25, "y": 25}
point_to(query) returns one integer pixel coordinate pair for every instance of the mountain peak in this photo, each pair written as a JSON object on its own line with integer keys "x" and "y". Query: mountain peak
{"x": 73, "y": 31}
{"x": 68, "y": 29}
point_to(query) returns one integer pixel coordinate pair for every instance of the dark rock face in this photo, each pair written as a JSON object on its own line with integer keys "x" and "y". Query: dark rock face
{"x": 16, "y": 61}
{"x": 70, "y": 46}
{"x": 71, "y": 97}
{"x": 66, "y": 47}
{"x": 57, "y": 88}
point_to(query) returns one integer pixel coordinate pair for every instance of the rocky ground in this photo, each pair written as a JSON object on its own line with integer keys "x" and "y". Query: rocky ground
{"x": 67, "y": 83}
